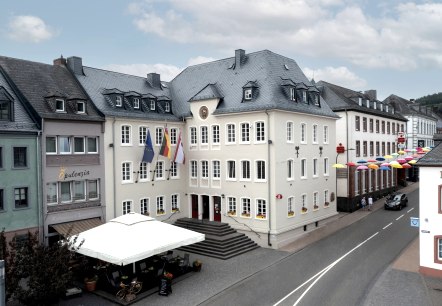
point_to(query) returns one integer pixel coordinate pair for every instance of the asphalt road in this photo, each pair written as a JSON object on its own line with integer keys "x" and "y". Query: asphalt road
{"x": 338, "y": 270}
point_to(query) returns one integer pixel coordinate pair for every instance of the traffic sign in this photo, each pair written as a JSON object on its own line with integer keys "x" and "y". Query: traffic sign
{"x": 414, "y": 222}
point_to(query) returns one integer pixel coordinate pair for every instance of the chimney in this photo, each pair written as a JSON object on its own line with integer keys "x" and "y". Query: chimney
{"x": 154, "y": 80}
{"x": 240, "y": 55}
{"x": 60, "y": 61}
{"x": 75, "y": 64}
{"x": 372, "y": 94}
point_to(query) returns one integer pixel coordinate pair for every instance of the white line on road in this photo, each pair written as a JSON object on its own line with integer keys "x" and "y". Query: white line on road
{"x": 410, "y": 210}
{"x": 387, "y": 225}
{"x": 399, "y": 217}
{"x": 322, "y": 273}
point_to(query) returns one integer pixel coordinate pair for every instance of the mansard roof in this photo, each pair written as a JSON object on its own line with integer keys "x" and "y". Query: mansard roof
{"x": 340, "y": 99}
{"x": 230, "y": 75}
{"x": 406, "y": 107}
{"x": 37, "y": 82}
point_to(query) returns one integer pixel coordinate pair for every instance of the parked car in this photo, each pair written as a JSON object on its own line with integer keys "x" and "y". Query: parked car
{"x": 396, "y": 201}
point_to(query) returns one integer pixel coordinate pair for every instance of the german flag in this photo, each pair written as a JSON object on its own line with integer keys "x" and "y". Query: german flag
{"x": 165, "y": 146}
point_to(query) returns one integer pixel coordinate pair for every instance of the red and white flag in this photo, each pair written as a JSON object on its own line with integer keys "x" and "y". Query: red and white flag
{"x": 179, "y": 153}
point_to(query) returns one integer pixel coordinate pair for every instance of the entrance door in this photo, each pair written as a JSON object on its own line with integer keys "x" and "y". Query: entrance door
{"x": 217, "y": 208}
{"x": 205, "y": 207}
{"x": 194, "y": 206}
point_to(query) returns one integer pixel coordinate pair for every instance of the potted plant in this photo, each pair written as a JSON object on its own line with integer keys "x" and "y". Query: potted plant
{"x": 90, "y": 282}
{"x": 304, "y": 209}
{"x": 231, "y": 213}
{"x": 291, "y": 213}
{"x": 260, "y": 216}
{"x": 197, "y": 265}
{"x": 326, "y": 204}
{"x": 315, "y": 206}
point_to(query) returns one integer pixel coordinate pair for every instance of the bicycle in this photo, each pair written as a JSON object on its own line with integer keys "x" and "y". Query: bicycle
{"x": 133, "y": 288}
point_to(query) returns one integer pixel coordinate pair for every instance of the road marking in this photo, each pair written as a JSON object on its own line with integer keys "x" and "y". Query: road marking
{"x": 321, "y": 273}
{"x": 387, "y": 225}
{"x": 410, "y": 210}
{"x": 399, "y": 217}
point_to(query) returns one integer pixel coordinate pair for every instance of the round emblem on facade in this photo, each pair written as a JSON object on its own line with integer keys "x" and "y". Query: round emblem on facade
{"x": 204, "y": 112}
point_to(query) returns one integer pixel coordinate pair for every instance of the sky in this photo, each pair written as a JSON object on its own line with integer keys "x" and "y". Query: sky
{"x": 392, "y": 46}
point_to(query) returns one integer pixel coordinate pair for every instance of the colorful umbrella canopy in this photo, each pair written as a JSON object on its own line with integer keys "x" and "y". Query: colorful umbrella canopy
{"x": 401, "y": 152}
{"x": 406, "y": 166}
{"x": 407, "y": 158}
{"x": 351, "y": 164}
{"x": 362, "y": 161}
{"x": 413, "y": 150}
{"x": 407, "y": 150}
{"x": 385, "y": 165}
{"x": 421, "y": 152}
{"x": 338, "y": 166}
{"x": 394, "y": 162}
{"x": 380, "y": 158}
{"x": 426, "y": 150}
{"x": 385, "y": 168}
{"x": 398, "y": 166}
{"x": 401, "y": 160}
{"x": 372, "y": 160}
{"x": 394, "y": 154}
{"x": 362, "y": 167}
{"x": 373, "y": 166}
{"x": 388, "y": 156}
{"x": 412, "y": 162}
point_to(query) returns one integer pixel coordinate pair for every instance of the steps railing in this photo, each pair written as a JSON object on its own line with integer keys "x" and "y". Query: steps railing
{"x": 243, "y": 224}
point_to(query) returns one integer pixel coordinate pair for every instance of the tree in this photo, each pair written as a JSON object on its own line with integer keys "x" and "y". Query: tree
{"x": 37, "y": 274}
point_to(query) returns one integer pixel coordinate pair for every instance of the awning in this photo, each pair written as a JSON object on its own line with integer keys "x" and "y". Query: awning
{"x": 76, "y": 227}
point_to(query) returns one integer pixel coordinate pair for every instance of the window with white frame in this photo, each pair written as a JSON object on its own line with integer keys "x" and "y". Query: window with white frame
{"x": 260, "y": 170}
{"x": 260, "y": 131}
{"x": 144, "y": 206}
{"x": 245, "y": 132}
{"x": 193, "y": 136}
{"x": 303, "y": 168}
{"x": 204, "y": 135}
{"x": 248, "y": 94}
{"x": 175, "y": 203}
{"x": 92, "y": 145}
{"x": 315, "y": 133}
{"x": 245, "y": 170}
{"x": 245, "y": 207}
{"x": 152, "y": 105}
{"x": 304, "y": 96}
{"x": 79, "y": 145}
{"x": 136, "y": 103}
{"x": 160, "y": 205}
{"x": 292, "y": 94}
{"x": 315, "y": 200}
{"x": 231, "y": 170}
{"x": 142, "y": 135}
{"x": 81, "y": 107}
{"x": 125, "y": 135}
{"x": 173, "y": 136}
{"x": 215, "y": 134}
{"x": 159, "y": 171}
{"x": 303, "y": 133}
{"x": 216, "y": 169}
{"x": 79, "y": 191}
{"x": 231, "y": 206}
{"x": 126, "y": 172}
{"x": 64, "y": 145}
{"x": 193, "y": 169}
{"x": 204, "y": 169}
{"x": 167, "y": 107}
{"x": 231, "y": 135}
{"x": 326, "y": 202}
{"x": 261, "y": 209}
{"x": 127, "y": 207}
{"x": 59, "y": 106}
{"x": 173, "y": 170}
{"x": 290, "y": 206}
{"x": 325, "y": 135}
{"x": 304, "y": 201}
{"x": 143, "y": 174}
{"x": 51, "y": 193}
{"x": 326, "y": 166}
{"x": 315, "y": 167}
{"x": 290, "y": 132}
{"x": 158, "y": 136}
{"x": 118, "y": 101}
{"x": 92, "y": 189}
{"x": 290, "y": 173}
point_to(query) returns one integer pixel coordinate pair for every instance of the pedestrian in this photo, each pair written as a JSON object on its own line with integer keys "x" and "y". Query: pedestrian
{"x": 370, "y": 202}
{"x": 363, "y": 203}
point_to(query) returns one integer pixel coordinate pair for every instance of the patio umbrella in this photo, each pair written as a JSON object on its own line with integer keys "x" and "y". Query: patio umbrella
{"x": 388, "y": 156}
{"x": 401, "y": 160}
{"x": 380, "y": 158}
{"x": 338, "y": 166}
{"x": 373, "y": 166}
{"x": 362, "y": 161}
{"x": 362, "y": 167}
{"x": 411, "y": 162}
{"x": 350, "y": 164}
{"x": 385, "y": 165}
{"x": 385, "y": 168}
{"x": 406, "y": 166}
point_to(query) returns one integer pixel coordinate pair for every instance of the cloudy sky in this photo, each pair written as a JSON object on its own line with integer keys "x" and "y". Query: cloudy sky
{"x": 392, "y": 46}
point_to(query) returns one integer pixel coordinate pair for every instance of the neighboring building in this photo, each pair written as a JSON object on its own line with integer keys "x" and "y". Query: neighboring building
{"x": 430, "y": 213}
{"x": 72, "y": 168}
{"x": 259, "y": 143}
{"x": 133, "y": 106}
{"x": 367, "y": 129}
{"x": 20, "y": 205}
{"x": 421, "y": 125}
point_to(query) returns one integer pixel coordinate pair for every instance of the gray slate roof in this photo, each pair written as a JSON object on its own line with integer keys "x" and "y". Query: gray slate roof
{"x": 406, "y": 107}
{"x": 37, "y": 81}
{"x": 22, "y": 119}
{"x": 432, "y": 158}
{"x": 341, "y": 99}
{"x": 98, "y": 82}
{"x": 266, "y": 69}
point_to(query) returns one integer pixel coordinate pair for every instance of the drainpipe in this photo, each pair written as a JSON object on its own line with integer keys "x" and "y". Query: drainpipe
{"x": 113, "y": 168}
{"x": 39, "y": 194}
{"x": 269, "y": 142}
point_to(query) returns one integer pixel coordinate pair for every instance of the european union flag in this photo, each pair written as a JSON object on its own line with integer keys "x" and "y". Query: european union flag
{"x": 148, "y": 150}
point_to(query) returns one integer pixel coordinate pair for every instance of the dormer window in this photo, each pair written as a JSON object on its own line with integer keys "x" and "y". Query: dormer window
{"x": 374, "y": 104}
{"x": 368, "y": 103}
{"x": 293, "y": 94}
{"x": 119, "y": 101}
{"x": 81, "y": 107}
{"x": 304, "y": 96}
{"x": 360, "y": 101}
{"x": 152, "y": 105}
{"x": 386, "y": 108}
{"x": 248, "y": 94}
{"x": 59, "y": 105}
{"x": 316, "y": 99}
{"x": 167, "y": 107}
{"x": 136, "y": 103}
{"x": 382, "y": 107}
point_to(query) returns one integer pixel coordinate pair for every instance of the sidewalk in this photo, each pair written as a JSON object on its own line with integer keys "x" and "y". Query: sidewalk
{"x": 400, "y": 284}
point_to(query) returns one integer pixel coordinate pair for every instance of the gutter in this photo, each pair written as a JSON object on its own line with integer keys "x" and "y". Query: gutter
{"x": 113, "y": 169}
{"x": 269, "y": 142}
